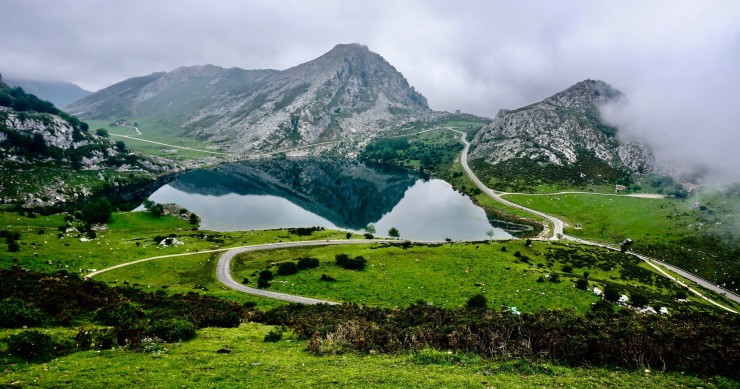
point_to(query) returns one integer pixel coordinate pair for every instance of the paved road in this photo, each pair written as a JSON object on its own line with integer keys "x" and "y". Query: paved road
{"x": 557, "y": 223}
{"x": 558, "y": 234}
{"x": 223, "y": 268}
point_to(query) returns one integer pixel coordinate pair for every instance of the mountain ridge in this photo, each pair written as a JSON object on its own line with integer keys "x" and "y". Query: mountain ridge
{"x": 349, "y": 92}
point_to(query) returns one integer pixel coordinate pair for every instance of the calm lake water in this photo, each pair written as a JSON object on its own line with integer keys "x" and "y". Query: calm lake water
{"x": 345, "y": 195}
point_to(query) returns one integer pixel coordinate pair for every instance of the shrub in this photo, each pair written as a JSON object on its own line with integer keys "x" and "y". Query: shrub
{"x": 602, "y": 306}
{"x": 541, "y": 279}
{"x": 16, "y": 313}
{"x": 567, "y": 269}
{"x": 582, "y": 283}
{"x": 173, "y": 330}
{"x": 554, "y": 277}
{"x": 92, "y": 234}
{"x": 477, "y": 301}
{"x": 97, "y": 211}
{"x": 266, "y": 275}
{"x": 263, "y": 283}
{"x": 97, "y": 339}
{"x": 517, "y": 254}
{"x": 287, "y": 268}
{"x": 681, "y": 294}
{"x": 611, "y": 293}
{"x": 308, "y": 263}
{"x": 13, "y": 247}
{"x": 274, "y": 335}
{"x": 327, "y": 278}
{"x": 32, "y": 346}
{"x": 638, "y": 299}
{"x": 356, "y": 263}
{"x": 369, "y": 236}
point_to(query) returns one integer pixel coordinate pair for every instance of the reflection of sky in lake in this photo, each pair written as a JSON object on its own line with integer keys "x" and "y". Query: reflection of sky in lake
{"x": 429, "y": 210}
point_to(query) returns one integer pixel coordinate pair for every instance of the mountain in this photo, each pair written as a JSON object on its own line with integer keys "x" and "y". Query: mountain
{"x": 349, "y": 93}
{"x": 47, "y": 155}
{"x": 566, "y": 133}
{"x": 61, "y": 93}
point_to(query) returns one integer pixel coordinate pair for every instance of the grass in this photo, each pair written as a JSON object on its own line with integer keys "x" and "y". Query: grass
{"x": 257, "y": 364}
{"x": 447, "y": 275}
{"x": 698, "y": 234}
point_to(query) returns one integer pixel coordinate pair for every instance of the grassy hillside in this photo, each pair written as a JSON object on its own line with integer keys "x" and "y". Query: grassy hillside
{"x": 254, "y": 363}
{"x": 698, "y": 234}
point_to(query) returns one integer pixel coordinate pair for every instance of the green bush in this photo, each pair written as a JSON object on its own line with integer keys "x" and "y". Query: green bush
{"x": 611, "y": 293}
{"x": 173, "y": 330}
{"x": 96, "y": 339}
{"x": 356, "y": 263}
{"x": 308, "y": 263}
{"x": 17, "y": 313}
{"x": 477, "y": 301}
{"x": 98, "y": 211}
{"x": 287, "y": 268}
{"x": 266, "y": 275}
{"x": 582, "y": 283}
{"x": 638, "y": 299}
{"x": 32, "y": 346}
{"x": 13, "y": 247}
{"x": 274, "y": 335}
{"x": 327, "y": 278}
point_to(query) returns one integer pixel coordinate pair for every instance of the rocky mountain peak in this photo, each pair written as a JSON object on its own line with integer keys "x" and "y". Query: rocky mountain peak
{"x": 559, "y": 130}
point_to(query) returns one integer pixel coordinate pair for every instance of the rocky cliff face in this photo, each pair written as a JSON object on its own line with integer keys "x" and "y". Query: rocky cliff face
{"x": 559, "y": 129}
{"x": 349, "y": 93}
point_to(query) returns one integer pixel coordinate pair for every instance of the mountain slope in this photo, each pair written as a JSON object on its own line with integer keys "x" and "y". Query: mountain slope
{"x": 58, "y": 92}
{"x": 564, "y": 131}
{"x": 47, "y": 157}
{"x": 347, "y": 93}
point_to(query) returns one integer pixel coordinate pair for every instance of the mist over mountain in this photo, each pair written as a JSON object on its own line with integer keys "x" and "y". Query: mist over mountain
{"x": 562, "y": 130}
{"x": 61, "y": 93}
{"x": 349, "y": 93}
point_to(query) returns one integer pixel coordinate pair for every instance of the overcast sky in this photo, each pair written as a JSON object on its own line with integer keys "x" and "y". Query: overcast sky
{"x": 678, "y": 62}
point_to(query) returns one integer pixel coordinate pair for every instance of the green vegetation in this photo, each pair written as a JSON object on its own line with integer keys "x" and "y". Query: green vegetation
{"x": 447, "y": 275}
{"x": 698, "y": 234}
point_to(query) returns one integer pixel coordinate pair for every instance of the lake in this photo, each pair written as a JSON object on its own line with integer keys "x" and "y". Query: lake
{"x": 346, "y": 195}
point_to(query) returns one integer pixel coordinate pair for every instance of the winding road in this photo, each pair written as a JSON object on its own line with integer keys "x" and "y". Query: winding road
{"x": 558, "y": 234}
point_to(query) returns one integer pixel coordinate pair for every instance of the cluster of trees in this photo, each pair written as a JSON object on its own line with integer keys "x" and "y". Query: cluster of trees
{"x": 11, "y": 238}
{"x": 347, "y": 262}
{"x": 400, "y": 151}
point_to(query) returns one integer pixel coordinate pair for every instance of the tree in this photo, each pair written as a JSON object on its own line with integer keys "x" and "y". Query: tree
{"x": 287, "y": 268}
{"x": 194, "y": 219}
{"x": 638, "y": 299}
{"x": 102, "y": 132}
{"x": 121, "y": 146}
{"x": 370, "y": 229}
{"x": 611, "y": 293}
{"x": 490, "y": 234}
{"x": 153, "y": 208}
{"x": 98, "y": 211}
{"x": 477, "y": 301}
{"x": 582, "y": 284}
{"x": 393, "y": 233}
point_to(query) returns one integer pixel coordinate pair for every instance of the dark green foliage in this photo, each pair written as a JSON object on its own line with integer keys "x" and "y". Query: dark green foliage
{"x": 611, "y": 293}
{"x": 541, "y": 279}
{"x": 638, "y": 299}
{"x": 16, "y": 313}
{"x": 287, "y": 268}
{"x": 307, "y": 263}
{"x": 602, "y": 306}
{"x": 266, "y": 275}
{"x": 33, "y": 346}
{"x": 263, "y": 283}
{"x": 102, "y": 132}
{"x": 368, "y": 235}
{"x": 92, "y": 234}
{"x": 98, "y": 211}
{"x": 173, "y": 330}
{"x": 582, "y": 284}
{"x": 691, "y": 342}
{"x": 13, "y": 247}
{"x": 477, "y": 301}
{"x": 681, "y": 295}
{"x": 399, "y": 150}
{"x": 155, "y": 209}
{"x": 274, "y": 335}
{"x": 567, "y": 269}
{"x": 96, "y": 339}
{"x": 348, "y": 235}
{"x": 304, "y": 231}
{"x": 194, "y": 219}
{"x": 357, "y": 263}
{"x": 394, "y": 233}
{"x": 327, "y": 278}
{"x": 554, "y": 277}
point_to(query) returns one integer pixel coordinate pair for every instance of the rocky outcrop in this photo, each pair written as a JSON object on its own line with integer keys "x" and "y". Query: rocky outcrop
{"x": 559, "y": 129}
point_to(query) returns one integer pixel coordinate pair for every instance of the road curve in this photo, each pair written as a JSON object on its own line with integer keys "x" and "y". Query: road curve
{"x": 223, "y": 268}
{"x": 558, "y": 234}
{"x": 557, "y": 223}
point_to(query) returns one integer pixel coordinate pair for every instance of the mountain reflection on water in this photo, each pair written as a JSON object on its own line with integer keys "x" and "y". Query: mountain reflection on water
{"x": 342, "y": 194}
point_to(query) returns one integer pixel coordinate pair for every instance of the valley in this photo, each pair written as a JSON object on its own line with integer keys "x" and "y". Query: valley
{"x": 325, "y": 216}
